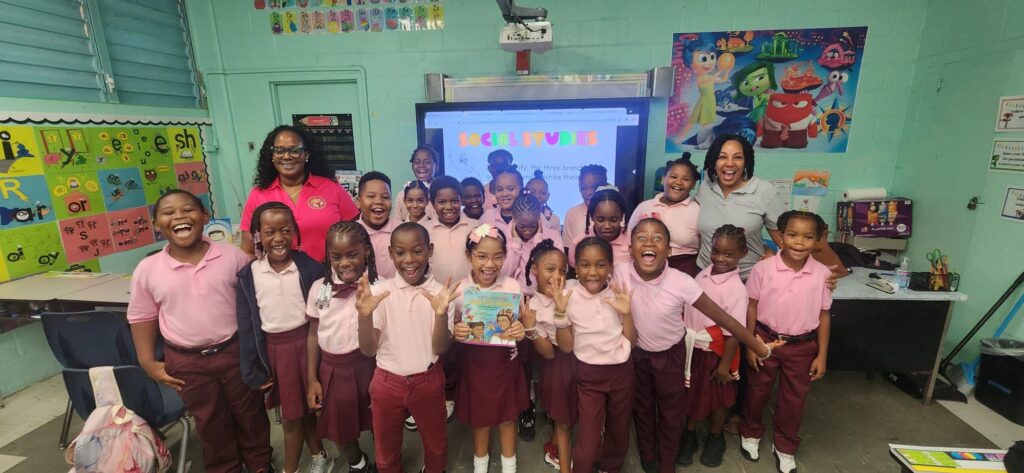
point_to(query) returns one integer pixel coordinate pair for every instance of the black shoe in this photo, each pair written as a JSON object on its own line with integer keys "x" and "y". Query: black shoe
{"x": 649, "y": 467}
{"x": 714, "y": 449}
{"x": 368, "y": 466}
{"x": 688, "y": 447}
{"x": 527, "y": 423}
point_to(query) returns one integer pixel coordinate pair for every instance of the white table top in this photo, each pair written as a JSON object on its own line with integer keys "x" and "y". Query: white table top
{"x": 49, "y": 286}
{"x": 855, "y": 287}
{"x": 111, "y": 291}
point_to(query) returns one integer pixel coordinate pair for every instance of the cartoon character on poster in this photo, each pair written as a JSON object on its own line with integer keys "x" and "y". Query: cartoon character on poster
{"x": 769, "y": 73}
{"x": 291, "y": 25}
{"x": 319, "y": 21}
{"x": 131, "y": 228}
{"x": 305, "y": 23}
{"x": 219, "y": 229}
{"x": 193, "y": 178}
{"x": 157, "y": 179}
{"x": 122, "y": 188}
{"x": 421, "y": 13}
{"x": 405, "y": 18}
{"x": 333, "y": 21}
{"x": 436, "y": 19}
{"x": 364, "y": 20}
{"x": 376, "y": 20}
{"x": 66, "y": 149}
{"x": 86, "y": 238}
{"x": 32, "y": 249}
{"x": 24, "y": 201}
{"x": 276, "y": 25}
{"x": 20, "y": 154}
{"x": 75, "y": 194}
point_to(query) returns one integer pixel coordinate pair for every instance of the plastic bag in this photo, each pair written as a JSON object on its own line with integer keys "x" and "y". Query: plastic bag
{"x": 1003, "y": 347}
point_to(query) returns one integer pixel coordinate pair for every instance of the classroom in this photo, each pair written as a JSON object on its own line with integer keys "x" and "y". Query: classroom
{"x": 280, "y": 235}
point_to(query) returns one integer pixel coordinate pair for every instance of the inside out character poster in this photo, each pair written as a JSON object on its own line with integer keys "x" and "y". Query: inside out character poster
{"x": 781, "y": 89}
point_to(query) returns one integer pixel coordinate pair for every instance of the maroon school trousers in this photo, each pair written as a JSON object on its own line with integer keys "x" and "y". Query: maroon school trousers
{"x": 659, "y": 409}
{"x": 605, "y": 400}
{"x": 393, "y": 398}
{"x": 792, "y": 362}
{"x": 230, "y": 416}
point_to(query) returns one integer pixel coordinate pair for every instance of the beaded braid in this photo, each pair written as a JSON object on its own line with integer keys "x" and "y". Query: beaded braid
{"x": 353, "y": 229}
{"x": 788, "y": 215}
{"x": 254, "y": 225}
{"x": 546, "y": 246}
{"x": 605, "y": 195}
{"x": 733, "y": 232}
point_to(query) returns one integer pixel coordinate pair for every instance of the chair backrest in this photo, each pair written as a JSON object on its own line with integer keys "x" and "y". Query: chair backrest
{"x": 89, "y": 339}
{"x": 157, "y": 404}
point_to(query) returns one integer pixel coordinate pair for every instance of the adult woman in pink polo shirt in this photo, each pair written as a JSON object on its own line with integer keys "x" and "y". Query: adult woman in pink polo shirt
{"x": 291, "y": 170}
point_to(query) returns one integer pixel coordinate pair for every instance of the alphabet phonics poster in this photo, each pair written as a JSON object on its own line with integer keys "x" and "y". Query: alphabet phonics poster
{"x": 73, "y": 191}
{"x": 780, "y": 89}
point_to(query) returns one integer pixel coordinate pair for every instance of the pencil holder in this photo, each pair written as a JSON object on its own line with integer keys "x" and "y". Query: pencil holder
{"x": 934, "y": 282}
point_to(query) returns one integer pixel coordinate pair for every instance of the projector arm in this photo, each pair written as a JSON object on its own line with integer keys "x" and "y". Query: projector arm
{"x": 514, "y": 14}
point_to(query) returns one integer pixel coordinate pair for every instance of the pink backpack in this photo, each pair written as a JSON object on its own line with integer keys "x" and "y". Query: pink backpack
{"x": 114, "y": 439}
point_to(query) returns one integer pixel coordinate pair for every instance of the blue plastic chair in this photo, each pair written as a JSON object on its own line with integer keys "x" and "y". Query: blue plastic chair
{"x": 82, "y": 340}
{"x": 159, "y": 405}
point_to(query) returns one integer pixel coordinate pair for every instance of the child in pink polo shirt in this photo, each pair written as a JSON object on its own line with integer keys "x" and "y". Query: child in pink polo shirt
{"x": 272, "y": 329}
{"x": 375, "y": 216}
{"x": 473, "y": 198}
{"x": 538, "y": 188}
{"x": 595, "y": 321}
{"x": 416, "y": 201}
{"x": 448, "y": 231}
{"x": 527, "y": 233}
{"x": 605, "y": 216}
{"x": 676, "y": 207}
{"x": 338, "y": 373}
{"x": 492, "y": 388}
{"x": 660, "y": 296}
{"x": 789, "y": 301}
{"x": 186, "y": 294}
{"x": 508, "y": 184}
{"x": 592, "y": 176}
{"x": 406, "y": 323}
{"x": 546, "y": 264}
{"x": 424, "y": 163}
{"x": 714, "y": 366}
{"x": 497, "y": 161}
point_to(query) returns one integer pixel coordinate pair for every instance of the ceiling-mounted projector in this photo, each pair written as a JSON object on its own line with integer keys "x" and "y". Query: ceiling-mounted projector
{"x": 527, "y": 28}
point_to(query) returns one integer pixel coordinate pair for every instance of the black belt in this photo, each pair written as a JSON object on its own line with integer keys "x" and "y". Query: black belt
{"x": 806, "y": 337}
{"x": 204, "y": 351}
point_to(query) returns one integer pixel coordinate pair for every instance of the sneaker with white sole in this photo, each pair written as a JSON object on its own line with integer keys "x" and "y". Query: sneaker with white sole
{"x": 449, "y": 407}
{"x": 784, "y": 462}
{"x": 321, "y": 463}
{"x": 410, "y": 424}
{"x": 551, "y": 456}
{"x": 750, "y": 448}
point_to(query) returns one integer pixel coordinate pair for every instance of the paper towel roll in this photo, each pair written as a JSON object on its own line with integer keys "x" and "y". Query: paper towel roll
{"x": 864, "y": 194}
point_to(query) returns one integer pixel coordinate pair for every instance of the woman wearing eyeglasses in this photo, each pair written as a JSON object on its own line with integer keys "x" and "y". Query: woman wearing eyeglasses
{"x": 290, "y": 169}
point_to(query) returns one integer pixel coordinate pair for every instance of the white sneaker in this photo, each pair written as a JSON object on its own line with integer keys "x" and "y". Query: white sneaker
{"x": 785, "y": 462}
{"x": 450, "y": 408}
{"x": 321, "y": 463}
{"x": 410, "y": 424}
{"x": 750, "y": 448}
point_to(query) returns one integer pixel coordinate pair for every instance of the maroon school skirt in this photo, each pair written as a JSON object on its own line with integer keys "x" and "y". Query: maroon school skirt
{"x": 492, "y": 387}
{"x": 705, "y": 394}
{"x": 286, "y": 352}
{"x": 684, "y": 263}
{"x": 345, "y": 381}
{"x": 558, "y": 388}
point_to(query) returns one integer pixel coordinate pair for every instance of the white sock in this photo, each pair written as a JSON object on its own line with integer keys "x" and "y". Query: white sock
{"x": 361, "y": 464}
{"x": 508, "y": 464}
{"x": 480, "y": 463}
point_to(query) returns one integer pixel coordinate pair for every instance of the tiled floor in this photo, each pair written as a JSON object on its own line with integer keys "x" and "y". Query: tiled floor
{"x": 848, "y": 423}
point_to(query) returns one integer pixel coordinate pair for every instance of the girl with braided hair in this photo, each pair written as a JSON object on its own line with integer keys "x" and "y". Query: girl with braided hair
{"x": 528, "y": 231}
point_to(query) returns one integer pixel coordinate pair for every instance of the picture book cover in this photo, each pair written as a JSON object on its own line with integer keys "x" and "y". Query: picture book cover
{"x": 489, "y": 314}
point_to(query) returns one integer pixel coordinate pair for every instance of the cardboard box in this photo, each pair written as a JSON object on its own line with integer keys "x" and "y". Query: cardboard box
{"x": 890, "y": 217}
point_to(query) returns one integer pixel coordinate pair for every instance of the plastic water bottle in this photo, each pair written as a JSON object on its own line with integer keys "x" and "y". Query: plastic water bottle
{"x": 903, "y": 274}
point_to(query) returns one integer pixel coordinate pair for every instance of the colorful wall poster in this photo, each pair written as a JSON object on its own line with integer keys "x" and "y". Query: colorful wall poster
{"x": 1007, "y": 155}
{"x": 489, "y": 314}
{"x": 790, "y": 89}
{"x": 1013, "y": 204}
{"x": 1010, "y": 116}
{"x": 293, "y": 18}
{"x": 74, "y": 189}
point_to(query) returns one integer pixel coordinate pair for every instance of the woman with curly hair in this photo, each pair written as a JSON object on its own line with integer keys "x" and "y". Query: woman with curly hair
{"x": 291, "y": 170}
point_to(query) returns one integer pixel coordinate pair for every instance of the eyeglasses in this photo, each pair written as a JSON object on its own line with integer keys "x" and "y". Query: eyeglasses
{"x": 281, "y": 151}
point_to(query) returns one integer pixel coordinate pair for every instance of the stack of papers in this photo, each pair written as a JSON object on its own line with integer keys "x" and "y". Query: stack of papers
{"x": 948, "y": 459}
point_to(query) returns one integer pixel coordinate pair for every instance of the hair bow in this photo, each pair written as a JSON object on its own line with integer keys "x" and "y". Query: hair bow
{"x": 485, "y": 230}
{"x": 654, "y": 215}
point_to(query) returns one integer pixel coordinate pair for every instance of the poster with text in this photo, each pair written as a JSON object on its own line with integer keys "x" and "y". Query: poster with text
{"x": 1007, "y": 155}
{"x": 781, "y": 89}
{"x": 73, "y": 190}
{"x": 1013, "y": 204}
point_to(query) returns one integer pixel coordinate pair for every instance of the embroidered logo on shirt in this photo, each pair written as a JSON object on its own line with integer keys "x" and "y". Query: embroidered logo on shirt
{"x": 317, "y": 202}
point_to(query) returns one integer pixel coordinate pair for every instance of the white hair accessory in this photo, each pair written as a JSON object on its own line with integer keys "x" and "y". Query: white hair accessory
{"x": 607, "y": 187}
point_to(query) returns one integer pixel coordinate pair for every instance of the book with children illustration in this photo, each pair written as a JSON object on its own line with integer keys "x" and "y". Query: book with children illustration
{"x": 489, "y": 315}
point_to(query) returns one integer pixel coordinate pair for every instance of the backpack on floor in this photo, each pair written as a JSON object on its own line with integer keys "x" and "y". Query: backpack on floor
{"x": 114, "y": 439}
